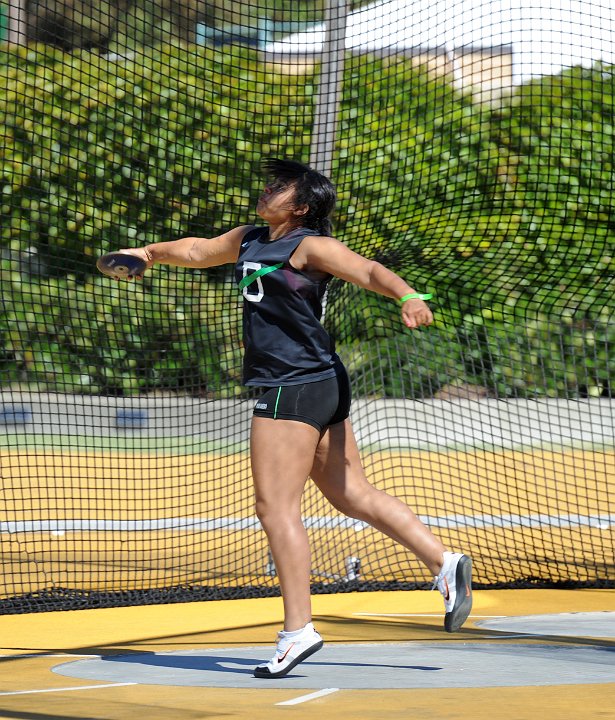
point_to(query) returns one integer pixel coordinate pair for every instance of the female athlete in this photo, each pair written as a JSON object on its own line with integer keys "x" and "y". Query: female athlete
{"x": 300, "y": 426}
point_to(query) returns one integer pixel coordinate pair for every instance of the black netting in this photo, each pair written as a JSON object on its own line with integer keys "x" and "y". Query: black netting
{"x": 471, "y": 144}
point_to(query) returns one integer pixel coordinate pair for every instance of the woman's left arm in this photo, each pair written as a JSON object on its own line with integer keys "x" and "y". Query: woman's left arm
{"x": 331, "y": 256}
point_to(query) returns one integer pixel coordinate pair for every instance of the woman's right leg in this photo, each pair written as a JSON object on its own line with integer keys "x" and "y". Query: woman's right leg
{"x": 281, "y": 454}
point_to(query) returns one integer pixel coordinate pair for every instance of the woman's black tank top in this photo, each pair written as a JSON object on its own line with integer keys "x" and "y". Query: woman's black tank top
{"x": 284, "y": 341}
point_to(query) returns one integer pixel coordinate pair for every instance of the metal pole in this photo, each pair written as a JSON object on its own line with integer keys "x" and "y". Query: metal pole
{"x": 17, "y": 22}
{"x": 324, "y": 129}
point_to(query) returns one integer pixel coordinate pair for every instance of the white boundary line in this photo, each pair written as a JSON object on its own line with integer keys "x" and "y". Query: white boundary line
{"x": 42, "y": 655}
{"x": 600, "y": 522}
{"x": 311, "y": 696}
{"x": 374, "y": 614}
{"x": 514, "y": 637}
{"x": 67, "y": 689}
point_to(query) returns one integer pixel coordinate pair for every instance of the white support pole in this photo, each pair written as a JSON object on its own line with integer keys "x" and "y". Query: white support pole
{"x": 17, "y": 22}
{"x": 324, "y": 129}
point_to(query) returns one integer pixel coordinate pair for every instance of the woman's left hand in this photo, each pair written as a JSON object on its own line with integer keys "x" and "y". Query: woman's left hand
{"x": 415, "y": 313}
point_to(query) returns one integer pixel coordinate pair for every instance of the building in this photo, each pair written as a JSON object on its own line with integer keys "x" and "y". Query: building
{"x": 487, "y": 43}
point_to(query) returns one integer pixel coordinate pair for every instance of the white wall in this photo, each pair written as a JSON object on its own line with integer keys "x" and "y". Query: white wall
{"x": 400, "y": 423}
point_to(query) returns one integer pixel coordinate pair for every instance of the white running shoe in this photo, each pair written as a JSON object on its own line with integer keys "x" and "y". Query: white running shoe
{"x": 291, "y": 649}
{"x": 455, "y": 584}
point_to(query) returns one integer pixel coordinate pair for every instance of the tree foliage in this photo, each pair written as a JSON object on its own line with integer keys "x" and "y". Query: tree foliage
{"x": 124, "y": 25}
{"x": 504, "y": 211}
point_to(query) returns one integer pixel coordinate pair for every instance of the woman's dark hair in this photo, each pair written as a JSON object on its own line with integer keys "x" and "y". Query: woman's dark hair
{"x": 311, "y": 189}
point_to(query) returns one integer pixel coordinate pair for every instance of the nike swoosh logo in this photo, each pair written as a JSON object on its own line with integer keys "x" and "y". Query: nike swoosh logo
{"x": 467, "y": 591}
{"x": 290, "y": 647}
{"x": 448, "y": 595}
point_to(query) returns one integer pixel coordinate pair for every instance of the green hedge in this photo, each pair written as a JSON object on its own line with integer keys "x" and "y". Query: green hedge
{"x": 172, "y": 332}
{"x": 104, "y": 153}
{"x": 504, "y": 211}
{"x": 568, "y": 355}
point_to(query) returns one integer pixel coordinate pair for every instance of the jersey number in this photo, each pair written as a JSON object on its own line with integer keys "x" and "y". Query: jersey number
{"x": 249, "y": 278}
{"x": 249, "y": 290}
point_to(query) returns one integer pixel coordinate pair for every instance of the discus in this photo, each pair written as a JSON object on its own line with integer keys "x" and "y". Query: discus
{"x": 121, "y": 265}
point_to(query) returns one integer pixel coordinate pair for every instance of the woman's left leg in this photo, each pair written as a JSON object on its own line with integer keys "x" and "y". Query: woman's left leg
{"x": 338, "y": 473}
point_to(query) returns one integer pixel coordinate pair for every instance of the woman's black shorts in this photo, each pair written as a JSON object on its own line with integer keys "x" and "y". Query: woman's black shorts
{"x": 320, "y": 404}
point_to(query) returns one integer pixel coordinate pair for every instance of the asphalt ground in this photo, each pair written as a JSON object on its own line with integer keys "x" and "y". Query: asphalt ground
{"x": 522, "y": 654}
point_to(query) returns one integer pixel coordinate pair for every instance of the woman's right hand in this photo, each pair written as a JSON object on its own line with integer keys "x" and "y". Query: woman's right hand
{"x": 143, "y": 254}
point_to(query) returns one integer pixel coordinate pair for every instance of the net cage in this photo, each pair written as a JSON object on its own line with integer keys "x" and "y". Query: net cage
{"x": 471, "y": 143}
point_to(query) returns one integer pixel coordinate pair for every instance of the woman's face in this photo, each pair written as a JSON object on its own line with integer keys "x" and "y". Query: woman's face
{"x": 276, "y": 203}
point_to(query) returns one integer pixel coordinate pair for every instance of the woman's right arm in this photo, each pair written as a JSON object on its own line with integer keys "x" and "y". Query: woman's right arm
{"x": 194, "y": 252}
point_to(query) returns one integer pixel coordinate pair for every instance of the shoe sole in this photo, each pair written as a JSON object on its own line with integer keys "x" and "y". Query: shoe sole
{"x": 454, "y": 619}
{"x": 265, "y": 673}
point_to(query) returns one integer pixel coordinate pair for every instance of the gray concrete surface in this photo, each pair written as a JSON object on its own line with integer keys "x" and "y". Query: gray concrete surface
{"x": 364, "y": 666}
{"x": 579, "y": 624}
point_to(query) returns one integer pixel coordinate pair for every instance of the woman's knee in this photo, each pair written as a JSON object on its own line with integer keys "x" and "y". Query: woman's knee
{"x": 357, "y": 503}
{"x": 265, "y": 510}
{"x": 273, "y": 514}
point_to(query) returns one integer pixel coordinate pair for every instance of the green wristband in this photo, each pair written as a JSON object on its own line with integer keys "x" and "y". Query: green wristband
{"x": 415, "y": 296}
